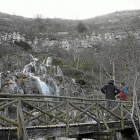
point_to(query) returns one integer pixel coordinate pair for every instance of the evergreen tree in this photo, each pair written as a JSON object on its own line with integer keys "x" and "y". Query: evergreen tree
{"x": 81, "y": 27}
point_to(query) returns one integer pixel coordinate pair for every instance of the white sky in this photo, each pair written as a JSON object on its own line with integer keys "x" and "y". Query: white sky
{"x": 67, "y": 9}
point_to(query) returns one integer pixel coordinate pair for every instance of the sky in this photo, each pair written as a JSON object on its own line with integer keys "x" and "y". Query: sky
{"x": 66, "y": 9}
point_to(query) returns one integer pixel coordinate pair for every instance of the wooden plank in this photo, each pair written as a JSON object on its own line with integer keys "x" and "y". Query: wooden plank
{"x": 8, "y": 104}
{"x": 47, "y": 116}
{"x": 30, "y": 115}
{"x": 122, "y": 122}
{"x": 36, "y": 117}
{"x": 45, "y": 112}
{"x": 106, "y": 125}
{"x": 38, "y": 100}
{"x": 55, "y": 107}
{"x": 2, "y": 103}
{"x": 19, "y": 128}
{"x": 116, "y": 108}
{"x": 110, "y": 112}
{"x": 8, "y": 120}
{"x": 7, "y": 99}
{"x": 67, "y": 118}
{"x": 51, "y": 96}
{"x": 84, "y": 112}
{"x": 97, "y": 110}
{"x": 88, "y": 111}
{"x": 22, "y": 120}
{"x": 129, "y": 111}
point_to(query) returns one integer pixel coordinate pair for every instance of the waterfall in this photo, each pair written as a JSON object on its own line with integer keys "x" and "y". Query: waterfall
{"x": 42, "y": 68}
{"x": 49, "y": 61}
{"x": 56, "y": 88}
{"x": 51, "y": 87}
{"x": 15, "y": 84}
{"x": 59, "y": 71}
{"x": 43, "y": 87}
{"x": 27, "y": 68}
{"x": 73, "y": 80}
{"x": 33, "y": 59}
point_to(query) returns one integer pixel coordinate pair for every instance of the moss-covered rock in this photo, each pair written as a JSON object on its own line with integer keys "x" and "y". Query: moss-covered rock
{"x": 70, "y": 71}
{"x": 57, "y": 61}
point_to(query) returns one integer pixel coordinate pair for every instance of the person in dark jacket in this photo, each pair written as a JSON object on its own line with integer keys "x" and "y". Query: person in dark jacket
{"x": 110, "y": 91}
{"x": 123, "y": 95}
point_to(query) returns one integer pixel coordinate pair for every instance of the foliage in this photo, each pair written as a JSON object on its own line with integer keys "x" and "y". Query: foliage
{"x": 8, "y": 48}
{"x": 23, "y": 44}
{"x": 57, "y": 61}
{"x": 81, "y": 27}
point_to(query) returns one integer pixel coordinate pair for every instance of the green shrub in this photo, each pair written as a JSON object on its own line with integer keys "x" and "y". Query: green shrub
{"x": 23, "y": 44}
{"x": 81, "y": 27}
{"x": 57, "y": 61}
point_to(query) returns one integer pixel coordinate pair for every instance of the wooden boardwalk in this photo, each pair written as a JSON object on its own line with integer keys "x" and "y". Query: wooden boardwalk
{"x": 32, "y": 116}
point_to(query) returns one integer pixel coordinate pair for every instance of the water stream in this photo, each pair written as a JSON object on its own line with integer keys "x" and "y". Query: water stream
{"x": 45, "y": 90}
{"x": 51, "y": 88}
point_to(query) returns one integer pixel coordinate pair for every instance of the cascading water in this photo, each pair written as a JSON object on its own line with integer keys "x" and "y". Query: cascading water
{"x": 27, "y": 68}
{"x": 15, "y": 84}
{"x": 59, "y": 71}
{"x": 43, "y": 87}
{"x": 49, "y": 61}
{"x": 51, "y": 74}
{"x": 42, "y": 68}
{"x": 33, "y": 59}
{"x": 73, "y": 80}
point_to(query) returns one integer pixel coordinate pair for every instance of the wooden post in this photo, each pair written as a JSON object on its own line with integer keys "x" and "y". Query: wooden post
{"x": 106, "y": 125}
{"x": 122, "y": 122}
{"x": 67, "y": 118}
{"x": 6, "y": 113}
{"x": 97, "y": 110}
{"x": 19, "y": 128}
{"x": 47, "y": 116}
{"x": 22, "y": 119}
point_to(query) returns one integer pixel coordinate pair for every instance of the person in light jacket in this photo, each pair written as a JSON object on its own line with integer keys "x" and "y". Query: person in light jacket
{"x": 123, "y": 95}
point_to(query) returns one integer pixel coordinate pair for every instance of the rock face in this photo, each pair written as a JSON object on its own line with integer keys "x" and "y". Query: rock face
{"x": 92, "y": 40}
{"x": 48, "y": 77}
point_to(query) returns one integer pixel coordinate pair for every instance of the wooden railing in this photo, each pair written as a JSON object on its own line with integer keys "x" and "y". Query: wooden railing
{"x": 31, "y": 110}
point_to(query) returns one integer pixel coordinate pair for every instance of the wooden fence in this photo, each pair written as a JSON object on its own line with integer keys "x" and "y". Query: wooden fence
{"x": 29, "y": 110}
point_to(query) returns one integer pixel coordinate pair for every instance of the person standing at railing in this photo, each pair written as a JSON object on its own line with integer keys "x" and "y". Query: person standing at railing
{"x": 123, "y": 95}
{"x": 110, "y": 90}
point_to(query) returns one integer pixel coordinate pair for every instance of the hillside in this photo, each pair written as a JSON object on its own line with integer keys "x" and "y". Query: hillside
{"x": 98, "y": 48}
{"x": 110, "y": 22}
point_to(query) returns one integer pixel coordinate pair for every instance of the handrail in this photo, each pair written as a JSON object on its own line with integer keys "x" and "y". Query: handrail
{"x": 61, "y": 97}
{"x": 67, "y": 110}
